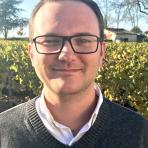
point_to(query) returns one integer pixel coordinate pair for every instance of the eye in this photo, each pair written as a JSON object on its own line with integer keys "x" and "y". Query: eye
{"x": 85, "y": 40}
{"x": 51, "y": 41}
{"x": 82, "y": 40}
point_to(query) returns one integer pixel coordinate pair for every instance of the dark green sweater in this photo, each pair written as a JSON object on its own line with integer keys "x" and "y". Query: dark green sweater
{"x": 115, "y": 127}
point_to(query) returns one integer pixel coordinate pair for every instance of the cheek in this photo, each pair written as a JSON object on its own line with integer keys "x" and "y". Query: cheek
{"x": 40, "y": 59}
{"x": 91, "y": 63}
{"x": 96, "y": 59}
{"x": 43, "y": 63}
{"x": 37, "y": 61}
{"x": 95, "y": 66}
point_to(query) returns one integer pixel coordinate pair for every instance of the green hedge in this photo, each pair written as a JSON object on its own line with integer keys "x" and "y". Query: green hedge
{"x": 123, "y": 78}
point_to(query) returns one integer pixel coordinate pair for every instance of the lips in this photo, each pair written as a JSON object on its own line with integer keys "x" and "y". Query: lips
{"x": 67, "y": 70}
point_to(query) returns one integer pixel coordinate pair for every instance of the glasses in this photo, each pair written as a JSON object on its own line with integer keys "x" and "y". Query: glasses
{"x": 51, "y": 44}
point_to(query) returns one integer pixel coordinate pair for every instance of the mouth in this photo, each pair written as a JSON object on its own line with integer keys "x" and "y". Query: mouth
{"x": 67, "y": 71}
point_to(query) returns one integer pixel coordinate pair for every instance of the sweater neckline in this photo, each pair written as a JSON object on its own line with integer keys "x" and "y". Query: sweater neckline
{"x": 88, "y": 140}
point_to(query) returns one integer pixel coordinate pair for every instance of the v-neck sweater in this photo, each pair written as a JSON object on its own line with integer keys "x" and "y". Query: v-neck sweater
{"x": 115, "y": 127}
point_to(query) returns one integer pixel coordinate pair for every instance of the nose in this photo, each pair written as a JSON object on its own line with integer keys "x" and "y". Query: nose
{"x": 67, "y": 54}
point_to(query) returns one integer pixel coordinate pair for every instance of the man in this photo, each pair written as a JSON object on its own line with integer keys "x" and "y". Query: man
{"x": 66, "y": 49}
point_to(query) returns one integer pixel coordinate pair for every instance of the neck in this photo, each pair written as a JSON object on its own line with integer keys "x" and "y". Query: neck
{"x": 72, "y": 111}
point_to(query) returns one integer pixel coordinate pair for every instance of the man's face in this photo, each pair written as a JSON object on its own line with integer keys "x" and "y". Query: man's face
{"x": 66, "y": 72}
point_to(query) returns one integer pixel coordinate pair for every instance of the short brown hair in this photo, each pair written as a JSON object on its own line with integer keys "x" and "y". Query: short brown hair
{"x": 90, "y": 3}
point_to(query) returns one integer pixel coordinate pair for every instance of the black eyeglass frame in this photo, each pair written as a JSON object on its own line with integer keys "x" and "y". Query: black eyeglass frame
{"x": 67, "y": 38}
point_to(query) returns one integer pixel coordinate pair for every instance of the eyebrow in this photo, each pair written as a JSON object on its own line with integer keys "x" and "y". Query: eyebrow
{"x": 80, "y": 33}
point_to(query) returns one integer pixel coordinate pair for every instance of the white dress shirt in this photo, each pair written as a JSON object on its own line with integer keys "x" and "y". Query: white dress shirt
{"x": 59, "y": 131}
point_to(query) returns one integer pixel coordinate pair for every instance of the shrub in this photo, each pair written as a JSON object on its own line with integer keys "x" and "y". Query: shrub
{"x": 123, "y": 78}
{"x": 17, "y": 73}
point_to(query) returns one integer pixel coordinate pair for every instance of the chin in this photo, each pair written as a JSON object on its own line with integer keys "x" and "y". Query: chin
{"x": 67, "y": 90}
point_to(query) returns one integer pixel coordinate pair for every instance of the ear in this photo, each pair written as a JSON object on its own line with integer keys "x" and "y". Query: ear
{"x": 101, "y": 53}
{"x": 102, "y": 48}
{"x": 30, "y": 52}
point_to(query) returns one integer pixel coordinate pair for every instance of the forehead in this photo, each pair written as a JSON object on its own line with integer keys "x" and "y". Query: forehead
{"x": 65, "y": 14}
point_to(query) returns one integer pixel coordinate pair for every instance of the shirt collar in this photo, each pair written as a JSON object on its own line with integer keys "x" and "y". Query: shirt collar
{"x": 96, "y": 111}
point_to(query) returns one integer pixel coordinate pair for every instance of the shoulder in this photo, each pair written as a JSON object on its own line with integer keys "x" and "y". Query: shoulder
{"x": 15, "y": 128}
{"x": 123, "y": 117}
{"x": 14, "y": 115}
{"x": 125, "y": 123}
{"x": 15, "y": 120}
{"x": 122, "y": 126}
{"x": 12, "y": 121}
{"x": 118, "y": 110}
